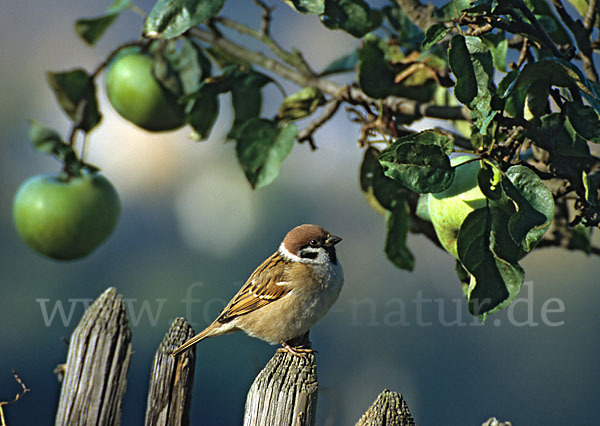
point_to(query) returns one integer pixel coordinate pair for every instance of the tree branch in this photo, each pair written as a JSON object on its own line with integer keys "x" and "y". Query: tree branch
{"x": 306, "y": 134}
{"x": 539, "y": 29}
{"x": 292, "y": 59}
{"x": 581, "y": 33}
{"x": 353, "y": 96}
{"x": 590, "y": 16}
{"x": 266, "y": 16}
{"x": 518, "y": 26}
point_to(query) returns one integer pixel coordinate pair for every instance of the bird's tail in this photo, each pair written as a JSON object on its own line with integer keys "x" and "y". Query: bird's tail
{"x": 200, "y": 336}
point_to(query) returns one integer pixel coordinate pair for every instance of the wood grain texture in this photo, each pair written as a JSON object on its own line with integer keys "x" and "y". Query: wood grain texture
{"x": 389, "y": 409}
{"x": 97, "y": 363}
{"x": 284, "y": 392}
{"x": 172, "y": 379}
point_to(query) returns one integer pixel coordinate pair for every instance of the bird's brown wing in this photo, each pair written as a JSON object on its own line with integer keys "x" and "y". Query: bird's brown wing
{"x": 266, "y": 284}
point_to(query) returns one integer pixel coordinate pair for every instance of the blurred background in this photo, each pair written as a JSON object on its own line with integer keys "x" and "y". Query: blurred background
{"x": 192, "y": 228}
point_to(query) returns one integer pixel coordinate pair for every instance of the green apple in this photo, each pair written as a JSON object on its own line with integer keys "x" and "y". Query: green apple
{"x": 66, "y": 218}
{"x": 448, "y": 209}
{"x": 136, "y": 95}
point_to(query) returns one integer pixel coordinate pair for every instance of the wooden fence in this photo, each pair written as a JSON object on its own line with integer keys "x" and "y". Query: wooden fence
{"x": 95, "y": 378}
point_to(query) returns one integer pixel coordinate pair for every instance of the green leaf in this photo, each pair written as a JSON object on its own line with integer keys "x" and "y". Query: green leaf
{"x": 551, "y": 23}
{"x": 559, "y": 73}
{"x": 92, "y": 29}
{"x": 507, "y": 84}
{"x": 49, "y": 141}
{"x": 45, "y": 139}
{"x": 353, "y": 16}
{"x": 536, "y": 103}
{"x": 171, "y": 18}
{"x": 301, "y": 104}
{"x": 432, "y": 137}
{"x": 165, "y": 60}
{"x": 346, "y": 63}
{"x": 229, "y": 77}
{"x": 584, "y": 120}
{"x": 483, "y": 67}
{"x": 245, "y": 87}
{"x": 421, "y": 168}
{"x": 76, "y": 94}
{"x": 482, "y": 6}
{"x": 307, "y": 6}
{"x": 451, "y": 10}
{"x": 375, "y": 74}
{"x": 190, "y": 64}
{"x": 408, "y": 35}
{"x": 589, "y": 89}
{"x": 591, "y": 191}
{"x": 556, "y": 135}
{"x": 489, "y": 181}
{"x": 581, "y": 238}
{"x": 435, "y": 34}
{"x": 463, "y": 276}
{"x": 246, "y": 99}
{"x": 382, "y": 192}
{"x": 201, "y": 113}
{"x": 535, "y": 206}
{"x": 495, "y": 282}
{"x": 261, "y": 148}
{"x": 472, "y": 63}
{"x": 461, "y": 65}
{"x": 498, "y": 45}
{"x": 395, "y": 241}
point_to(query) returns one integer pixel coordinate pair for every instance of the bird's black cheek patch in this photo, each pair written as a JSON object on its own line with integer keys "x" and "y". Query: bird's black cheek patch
{"x": 309, "y": 254}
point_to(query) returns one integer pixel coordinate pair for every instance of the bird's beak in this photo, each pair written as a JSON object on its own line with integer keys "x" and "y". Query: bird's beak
{"x": 332, "y": 240}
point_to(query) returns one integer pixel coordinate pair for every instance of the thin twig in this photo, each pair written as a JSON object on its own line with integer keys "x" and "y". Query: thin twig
{"x": 590, "y": 16}
{"x": 137, "y": 10}
{"x": 266, "y": 17}
{"x": 523, "y": 53}
{"x": 329, "y": 111}
{"x": 257, "y": 58}
{"x": 540, "y": 30}
{"x": 18, "y": 396}
{"x": 480, "y": 30}
{"x": 292, "y": 59}
{"x": 562, "y": 12}
{"x": 582, "y": 36}
{"x": 78, "y": 124}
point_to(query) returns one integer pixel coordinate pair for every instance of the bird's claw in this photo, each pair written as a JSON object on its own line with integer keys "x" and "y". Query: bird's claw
{"x": 300, "y": 350}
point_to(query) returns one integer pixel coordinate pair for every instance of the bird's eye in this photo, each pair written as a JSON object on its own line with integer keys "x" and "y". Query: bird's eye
{"x": 313, "y": 243}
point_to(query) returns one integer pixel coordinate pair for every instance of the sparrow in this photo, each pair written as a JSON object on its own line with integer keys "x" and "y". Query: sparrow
{"x": 286, "y": 295}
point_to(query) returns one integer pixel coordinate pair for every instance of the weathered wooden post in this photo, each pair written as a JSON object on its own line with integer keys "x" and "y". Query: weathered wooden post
{"x": 284, "y": 392}
{"x": 389, "y": 409}
{"x": 171, "y": 379}
{"x": 96, "y": 370}
{"x": 492, "y": 421}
